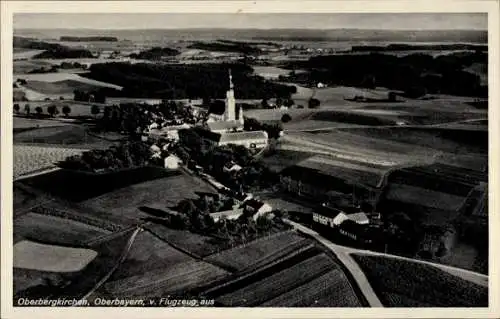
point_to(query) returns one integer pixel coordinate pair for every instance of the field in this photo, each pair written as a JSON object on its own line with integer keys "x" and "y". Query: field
{"x": 58, "y": 77}
{"x": 161, "y": 282}
{"x": 329, "y": 290}
{"x": 64, "y": 87}
{"x": 356, "y": 148}
{"x": 401, "y": 283}
{"x": 52, "y": 229}
{"x": 74, "y": 185}
{"x": 426, "y": 138}
{"x": 59, "y": 134}
{"x": 278, "y": 283}
{"x": 23, "y": 123}
{"x": 194, "y": 244}
{"x": 269, "y": 72}
{"x": 25, "y": 66}
{"x": 284, "y": 158}
{"x": 148, "y": 253}
{"x": 260, "y": 251}
{"x": 158, "y": 193}
{"x": 29, "y": 159}
{"x": 50, "y": 258}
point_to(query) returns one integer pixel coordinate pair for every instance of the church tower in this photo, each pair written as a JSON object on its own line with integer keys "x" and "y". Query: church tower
{"x": 230, "y": 114}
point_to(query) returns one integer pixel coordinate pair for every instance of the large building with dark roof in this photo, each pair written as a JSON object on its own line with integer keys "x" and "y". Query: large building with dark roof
{"x": 330, "y": 180}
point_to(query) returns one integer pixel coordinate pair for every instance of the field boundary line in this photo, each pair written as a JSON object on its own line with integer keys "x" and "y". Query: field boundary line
{"x": 250, "y": 271}
{"x": 117, "y": 264}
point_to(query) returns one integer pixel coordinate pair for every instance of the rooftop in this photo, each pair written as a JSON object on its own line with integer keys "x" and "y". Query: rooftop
{"x": 224, "y": 125}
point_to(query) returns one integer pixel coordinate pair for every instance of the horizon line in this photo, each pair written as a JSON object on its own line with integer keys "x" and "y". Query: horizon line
{"x": 222, "y": 28}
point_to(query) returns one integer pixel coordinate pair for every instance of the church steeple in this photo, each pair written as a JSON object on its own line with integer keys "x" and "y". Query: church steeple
{"x": 230, "y": 114}
{"x": 230, "y": 80}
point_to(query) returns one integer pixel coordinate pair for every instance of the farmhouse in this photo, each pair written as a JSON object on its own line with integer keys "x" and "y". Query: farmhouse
{"x": 351, "y": 225}
{"x": 256, "y": 207}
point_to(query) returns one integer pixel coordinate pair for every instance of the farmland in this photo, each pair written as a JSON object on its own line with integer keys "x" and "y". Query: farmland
{"x": 260, "y": 251}
{"x": 426, "y": 138}
{"x": 405, "y": 284}
{"x": 160, "y": 282}
{"x": 329, "y": 290}
{"x": 74, "y": 185}
{"x": 160, "y": 192}
{"x": 52, "y": 229}
{"x": 64, "y": 87}
{"x": 61, "y": 76}
{"x": 33, "y": 158}
{"x": 51, "y": 258}
{"x": 278, "y": 283}
{"x": 192, "y": 243}
{"x": 148, "y": 253}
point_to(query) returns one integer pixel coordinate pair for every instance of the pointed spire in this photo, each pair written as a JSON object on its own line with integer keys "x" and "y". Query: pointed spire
{"x": 230, "y": 80}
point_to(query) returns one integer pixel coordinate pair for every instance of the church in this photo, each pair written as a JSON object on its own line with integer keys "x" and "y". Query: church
{"x": 227, "y": 128}
{"x": 232, "y": 119}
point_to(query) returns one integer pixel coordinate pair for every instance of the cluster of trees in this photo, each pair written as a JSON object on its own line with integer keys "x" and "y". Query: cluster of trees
{"x": 52, "y": 110}
{"x": 253, "y": 175}
{"x": 288, "y": 102}
{"x": 155, "y": 54}
{"x": 272, "y": 130}
{"x": 194, "y": 215}
{"x": 416, "y": 74}
{"x": 133, "y": 118}
{"x": 98, "y": 96}
{"x": 186, "y": 81}
{"x": 126, "y": 155}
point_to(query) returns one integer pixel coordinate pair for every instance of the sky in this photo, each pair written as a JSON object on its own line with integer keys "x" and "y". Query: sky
{"x": 380, "y": 21}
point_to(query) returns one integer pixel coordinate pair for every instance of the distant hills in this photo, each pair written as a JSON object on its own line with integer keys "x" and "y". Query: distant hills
{"x": 352, "y": 35}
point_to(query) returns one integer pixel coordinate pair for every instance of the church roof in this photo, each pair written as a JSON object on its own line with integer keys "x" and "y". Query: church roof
{"x": 246, "y": 135}
{"x": 223, "y": 125}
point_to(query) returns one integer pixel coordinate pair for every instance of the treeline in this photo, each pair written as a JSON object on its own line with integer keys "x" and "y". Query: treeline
{"x": 226, "y": 46}
{"x": 415, "y": 74}
{"x": 53, "y": 50}
{"x": 155, "y": 54}
{"x": 420, "y": 47}
{"x": 206, "y": 81}
{"x": 63, "y": 52}
{"x": 84, "y": 39}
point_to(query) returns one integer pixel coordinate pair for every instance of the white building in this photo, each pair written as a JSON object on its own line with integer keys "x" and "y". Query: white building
{"x": 249, "y": 139}
{"x": 172, "y": 162}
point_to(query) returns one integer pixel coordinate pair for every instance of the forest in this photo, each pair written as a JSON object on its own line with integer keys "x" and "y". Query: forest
{"x": 415, "y": 74}
{"x": 145, "y": 80}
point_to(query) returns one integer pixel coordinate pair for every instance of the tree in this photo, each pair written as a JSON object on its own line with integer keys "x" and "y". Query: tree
{"x": 95, "y": 110}
{"x": 17, "y": 108}
{"x": 289, "y": 103}
{"x": 39, "y": 110}
{"x": 27, "y": 109}
{"x": 313, "y": 103}
{"x": 52, "y": 110}
{"x": 286, "y": 118}
{"x": 66, "y": 110}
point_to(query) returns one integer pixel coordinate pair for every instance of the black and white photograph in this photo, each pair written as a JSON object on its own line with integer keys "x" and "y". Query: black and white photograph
{"x": 287, "y": 160}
